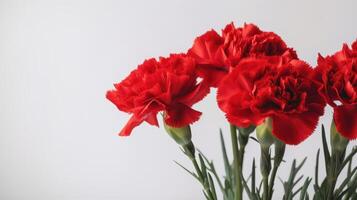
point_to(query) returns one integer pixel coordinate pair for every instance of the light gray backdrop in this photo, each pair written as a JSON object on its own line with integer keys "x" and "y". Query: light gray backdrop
{"x": 58, "y": 133}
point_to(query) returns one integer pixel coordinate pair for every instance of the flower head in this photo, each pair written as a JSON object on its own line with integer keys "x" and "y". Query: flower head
{"x": 338, "y": 77}
{"x": 217, "y": 55}
{"x": 169, "y": 85}
{"x": 260, "y": 88}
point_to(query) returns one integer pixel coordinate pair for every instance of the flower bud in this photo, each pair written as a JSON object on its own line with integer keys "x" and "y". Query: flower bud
{"x": 266, "y": 139}
{"x": 265, "y": 164}
{"x": 246, "y": 131}
{"x": 338, "y": 142}
{"x": 264, "y": 135}
{"x": 181, "y": 135}
{"x": 279, "y": 151}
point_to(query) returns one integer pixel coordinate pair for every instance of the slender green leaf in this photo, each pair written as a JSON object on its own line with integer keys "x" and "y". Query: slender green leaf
{"x": 259, "y": 189}
{"x": 203, "y": 167}
{"x": 227, "y": 165}
{"x": 212, "y": 169}
{"x": 348, "y": 158}
{"x": 291, "y": 182}
{"x": 211, "y": 184}
{"x": 247, "y": 190}
{"x": 303, "y": 194}
{"x": 301, "y": 164}
{"x": 345, "y": 182}
{"x": 188, "y": 171}
{"x": 325, "y": 148}
{"x": 296, "y": 192}
{"x": 317, "y": 169}
{"x": 298, "y": 180}
{"x": 207, "y": 197}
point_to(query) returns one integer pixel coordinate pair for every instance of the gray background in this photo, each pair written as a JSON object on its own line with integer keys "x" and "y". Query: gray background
{"x": 58, "y": 133}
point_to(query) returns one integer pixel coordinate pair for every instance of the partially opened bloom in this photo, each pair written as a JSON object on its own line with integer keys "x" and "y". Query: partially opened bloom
{"x": 338, "y": 77}
{"x": 216, "y": 55}
{"x": 284, "y": 92}
{"x": 169, "y": 85}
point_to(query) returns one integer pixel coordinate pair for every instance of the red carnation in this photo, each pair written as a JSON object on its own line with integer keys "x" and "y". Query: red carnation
{"x": 168, "y": 85}
{"x": 283, "y": 91}
{"x": 216, "y": 55}
{"x": 210, "y": 56}
{"x": 338, "y": 77}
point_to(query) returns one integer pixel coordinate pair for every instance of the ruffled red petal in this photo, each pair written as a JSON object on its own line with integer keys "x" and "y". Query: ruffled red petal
{"x": 250, "y": 30}
{"x": 211, "y": 74}
{"x": 354, "y": 45}
{"x": 197, "y": 94}
{"x": 345, "y": 118}
{"x": 244, "y": 118}
{"x": 234, "y": 95}
{"x": 133, "y": 122}
{"x": 152, "y": 119}
{"x": 208, "y": 52}
{"x": 206, "y": 47}
{"x": 294, "y": 128}
{"x": 181, "y": 115}
{"x": 113, "y": 96}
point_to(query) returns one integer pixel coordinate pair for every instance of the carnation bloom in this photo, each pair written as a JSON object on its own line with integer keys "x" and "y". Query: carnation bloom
{"x": 259, "y": 88}
{"x": 216, "y": 55}
{"x": 169, "y": 85}
{"x": 338, "y": 77}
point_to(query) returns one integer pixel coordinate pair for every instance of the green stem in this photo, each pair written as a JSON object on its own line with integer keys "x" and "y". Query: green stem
{"x": 272, "y": 180}
{"x": 265, "y": 188}
{"x": 197, "y": 168}
{"x": 236, "y": 164}
{"x": 241, "y": 158}
{"x": 243, "y": 140}
{"x": 265, "y": 168}
{"x": 332, "y": 175}
{"x": 203, "y": 181}
{"x": 279, "y": 152}
{"x": 331, "y": 188}
{"x": 189, "y": 150}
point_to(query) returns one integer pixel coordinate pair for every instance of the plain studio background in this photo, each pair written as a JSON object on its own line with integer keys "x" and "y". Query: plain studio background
{"x": 58, "y": 133}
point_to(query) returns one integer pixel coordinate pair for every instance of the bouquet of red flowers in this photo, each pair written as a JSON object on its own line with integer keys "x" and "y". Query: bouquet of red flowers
{"x": 262, "y": 87}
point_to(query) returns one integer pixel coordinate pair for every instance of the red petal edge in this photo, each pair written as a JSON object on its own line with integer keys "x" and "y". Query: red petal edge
{"x": 294, "y": 128}
{"x": 345, "y": 118}
{"x": 133, "y": 122}
{"x": 181, "y": 115}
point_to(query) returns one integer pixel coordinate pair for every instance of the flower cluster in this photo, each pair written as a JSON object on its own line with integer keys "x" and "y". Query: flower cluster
{"x": 258, "y": 78}
{"x": 262, "y": 86}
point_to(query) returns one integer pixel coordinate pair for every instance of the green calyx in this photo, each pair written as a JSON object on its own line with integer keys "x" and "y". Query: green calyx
{"x": 182, "y": 135}
{"x": 264, "y": 134}
{"x": 246, "y": 131}
{"x": 338, "y": 142}
{"x": 279, "y": 151}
